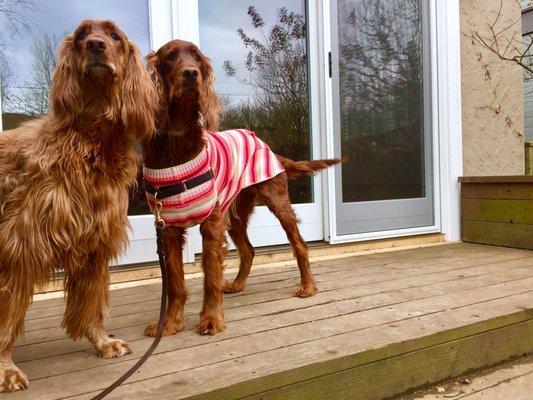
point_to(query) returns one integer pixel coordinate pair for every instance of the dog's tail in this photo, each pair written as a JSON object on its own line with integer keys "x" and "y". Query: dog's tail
{"x": 294, "y": 169}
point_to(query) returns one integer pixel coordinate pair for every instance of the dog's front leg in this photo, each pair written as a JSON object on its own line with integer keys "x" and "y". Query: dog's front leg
{"x": 174, "y": 238}
{"x": 16, "y": 288}
{"x": 11, "y": 378}
{"x": 87, "y": 301}
{"x": 213, "y": 251}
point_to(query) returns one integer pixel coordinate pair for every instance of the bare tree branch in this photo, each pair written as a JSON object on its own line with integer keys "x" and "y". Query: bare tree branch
{"x": 506, "y": 46}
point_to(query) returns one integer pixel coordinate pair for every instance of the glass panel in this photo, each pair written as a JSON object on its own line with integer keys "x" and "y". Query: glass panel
{"x": 30, "y": 32}
{"x": 259, "y": 53}
{"x": 381, "y": 99}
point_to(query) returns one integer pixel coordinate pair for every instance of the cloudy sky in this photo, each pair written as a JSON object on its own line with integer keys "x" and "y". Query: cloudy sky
{"x": 63, "y": 16}
{"x": 219, "y": 21}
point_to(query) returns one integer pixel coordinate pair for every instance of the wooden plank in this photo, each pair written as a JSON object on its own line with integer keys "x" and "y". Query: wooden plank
{"x": 392, "y": 376}
{"x": 282, "y": 278}
{"x": 497, "y": 191}
{"x": 46, "y": 330}
{"x": 363, "y": 297}
{"x": 492, "y": 210}
{"x": 40, "y": 363}
{"x": 258, "y": 270}
{"x": 308, "y": 340}
{"x": 272, "y": 256}
{"x": 285, "y": 366}
{"x": 497, "y": 179}
{"x": 499, "y": 234}
{"x": 464, "y": 250}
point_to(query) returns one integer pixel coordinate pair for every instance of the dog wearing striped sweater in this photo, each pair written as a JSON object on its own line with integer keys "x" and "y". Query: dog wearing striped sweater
{"x": 214, "y": 179}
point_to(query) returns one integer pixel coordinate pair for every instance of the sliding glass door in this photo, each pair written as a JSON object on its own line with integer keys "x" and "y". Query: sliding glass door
{"x": 381, "y": 114}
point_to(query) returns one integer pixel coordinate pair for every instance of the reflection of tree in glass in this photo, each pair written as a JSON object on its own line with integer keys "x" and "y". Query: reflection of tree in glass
{"x": 13, "y": 19}
{"x": 381, "y": 98}
{"x": 381, "y": 68}
{"x": 277, "y": 67}
{"x": 34, "y": 94}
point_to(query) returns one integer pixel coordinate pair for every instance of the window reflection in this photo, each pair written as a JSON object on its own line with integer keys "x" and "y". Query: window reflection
{"x": 30, "y": 33}
{"x": 381, "y": 99}
{"x": 259, "y": 52}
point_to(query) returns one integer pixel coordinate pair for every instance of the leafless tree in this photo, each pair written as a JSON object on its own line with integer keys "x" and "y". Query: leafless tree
{"x": 33, "y": 97}
{"x": 380, "y": 66}
{"x": 506, "y": 41}
{"x": 276, "y": 67}
{"x": 13, "y": 14}
{"x": 13, "y": 20}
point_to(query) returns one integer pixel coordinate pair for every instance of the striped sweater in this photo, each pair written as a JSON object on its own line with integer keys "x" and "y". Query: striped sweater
{"x": 237, "y": 158}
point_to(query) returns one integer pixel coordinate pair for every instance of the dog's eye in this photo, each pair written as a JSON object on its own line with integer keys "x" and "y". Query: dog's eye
{"x": 80, "y": 36}
{"x": 115, "y": 36}
{"x": 197, "y": 59}
{"x": 171, "y": 56}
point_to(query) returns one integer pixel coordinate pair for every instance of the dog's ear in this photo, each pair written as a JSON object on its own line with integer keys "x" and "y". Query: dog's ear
{"x": 152, "y": 66}
{"x": 210, "y": 104}
{"x": 140, "y": 101}
{"x": 65, "y": 92}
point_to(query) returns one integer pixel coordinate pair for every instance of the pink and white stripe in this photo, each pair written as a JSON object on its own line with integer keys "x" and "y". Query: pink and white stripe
{"x": 237, "y": 158}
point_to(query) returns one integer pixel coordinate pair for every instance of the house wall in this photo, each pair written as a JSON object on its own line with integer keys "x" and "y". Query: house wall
{"x": 492, "y": 93}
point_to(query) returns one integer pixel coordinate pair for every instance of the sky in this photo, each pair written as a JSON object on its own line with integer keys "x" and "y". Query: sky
{"x": 219, "y": 21}
{"x": 63, "y": 16}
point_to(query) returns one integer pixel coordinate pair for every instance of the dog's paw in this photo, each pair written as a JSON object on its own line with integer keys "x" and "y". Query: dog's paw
{"x": 114, "y": 348}
{"x": 233, "y": 287}
{"x": 306, "y": 290}
{"x": 13, "y": 379}
{"x": 209, "y": 325}
{"x": 171, "y": 328}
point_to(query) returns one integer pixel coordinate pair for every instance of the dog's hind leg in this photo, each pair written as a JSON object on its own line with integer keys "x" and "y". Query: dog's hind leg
{"x": 274, "y": 194}
{"x": 239, "y": 215}
{"x": 177, "y": 292}
{"x": 213, "y": 251}
{"x": 87, "y": 290}
{"x": 15, "y": 296}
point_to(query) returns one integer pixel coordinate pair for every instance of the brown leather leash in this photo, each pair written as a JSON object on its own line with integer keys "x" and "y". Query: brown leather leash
{"x": 159, "y": 227}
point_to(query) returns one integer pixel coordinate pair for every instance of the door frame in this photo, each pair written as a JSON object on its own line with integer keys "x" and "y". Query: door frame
{"x": 445, "y": 77}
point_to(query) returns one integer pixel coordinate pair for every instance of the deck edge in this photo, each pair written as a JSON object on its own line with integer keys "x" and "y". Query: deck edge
{"x": 379, "y": 373}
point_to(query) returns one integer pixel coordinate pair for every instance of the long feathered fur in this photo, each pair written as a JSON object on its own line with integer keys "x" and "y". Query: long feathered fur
{"x": 64, "y": 181}
{"x": 295, "y": 169}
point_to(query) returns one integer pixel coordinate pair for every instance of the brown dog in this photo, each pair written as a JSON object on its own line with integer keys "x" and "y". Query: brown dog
{"x": 64, "y": 182}
{"x": 184, "y": 78}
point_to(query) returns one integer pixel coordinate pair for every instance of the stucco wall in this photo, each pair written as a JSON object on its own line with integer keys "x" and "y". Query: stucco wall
{"x": 492, "y": 94}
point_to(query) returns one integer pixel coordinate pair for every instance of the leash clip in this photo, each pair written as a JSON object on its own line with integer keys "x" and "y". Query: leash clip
{"x": 159, "y": 221}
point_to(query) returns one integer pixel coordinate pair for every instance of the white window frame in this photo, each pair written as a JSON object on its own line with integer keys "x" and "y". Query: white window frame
{"x": 446, "y": 125}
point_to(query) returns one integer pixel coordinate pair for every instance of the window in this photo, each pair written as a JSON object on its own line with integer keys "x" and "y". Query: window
{"x": 260, "y": 58}
{"x": 30, "y": 33}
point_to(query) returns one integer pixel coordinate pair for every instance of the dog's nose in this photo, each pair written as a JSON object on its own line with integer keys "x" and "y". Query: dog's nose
{"x": 96, "y": 46}
{"x": 190, "y": 74}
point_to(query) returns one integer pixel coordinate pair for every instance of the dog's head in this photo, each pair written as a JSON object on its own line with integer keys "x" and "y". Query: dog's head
{"x": 184, "y": 75}
{"x": 100, "y": 73}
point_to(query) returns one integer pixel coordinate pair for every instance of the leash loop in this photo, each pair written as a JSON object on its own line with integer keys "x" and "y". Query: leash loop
{"x": 159, "y": 221}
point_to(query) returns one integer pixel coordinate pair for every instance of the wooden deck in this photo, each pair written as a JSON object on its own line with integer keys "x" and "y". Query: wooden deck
{"x": 381, "y": 324}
